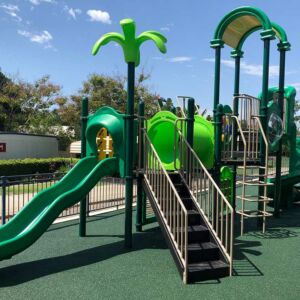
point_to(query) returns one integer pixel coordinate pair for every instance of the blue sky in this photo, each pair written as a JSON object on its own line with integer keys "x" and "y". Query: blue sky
{"x": 55, "y": 37}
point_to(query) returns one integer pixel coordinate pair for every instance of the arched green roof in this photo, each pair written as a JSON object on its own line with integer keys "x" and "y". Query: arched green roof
{"x": 240, "y": 21}
{"x": 279, "y": 33}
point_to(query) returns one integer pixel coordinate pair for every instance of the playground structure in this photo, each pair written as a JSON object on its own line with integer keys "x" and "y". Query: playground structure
{"x": 185, "y": 166}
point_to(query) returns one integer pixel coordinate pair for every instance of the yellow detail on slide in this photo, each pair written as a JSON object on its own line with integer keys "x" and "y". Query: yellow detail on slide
{"x": 105, "y": 144}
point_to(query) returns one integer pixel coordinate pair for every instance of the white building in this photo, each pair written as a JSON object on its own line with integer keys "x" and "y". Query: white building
{"x": 22, "y": 145}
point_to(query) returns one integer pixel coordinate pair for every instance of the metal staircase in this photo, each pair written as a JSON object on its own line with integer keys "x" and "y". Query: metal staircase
{"x": 244, "y": 151}
{"x": 195, "y": 217}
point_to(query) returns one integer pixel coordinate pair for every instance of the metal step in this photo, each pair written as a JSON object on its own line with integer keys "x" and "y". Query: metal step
{"x": 206, "y": 251}
{"x": 207, "y": 270}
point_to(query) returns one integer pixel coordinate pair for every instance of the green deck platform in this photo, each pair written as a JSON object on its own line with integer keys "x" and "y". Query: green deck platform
{"x": 60, "y": 265}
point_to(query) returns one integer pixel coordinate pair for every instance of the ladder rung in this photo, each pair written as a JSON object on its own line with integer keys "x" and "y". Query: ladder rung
{"x": 254, "y": 213}
{"x": 251, "y": 167}
{"x": 256, "y": 182}
{"x": 257, "y": 198}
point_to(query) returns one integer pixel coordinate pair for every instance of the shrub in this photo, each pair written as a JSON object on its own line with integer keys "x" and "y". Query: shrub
{"x": 34, "y": 165}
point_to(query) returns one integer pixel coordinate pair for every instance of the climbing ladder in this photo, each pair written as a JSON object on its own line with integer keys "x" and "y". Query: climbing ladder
{"x": 195, "y": 217}
{"x": 245, "y": 153}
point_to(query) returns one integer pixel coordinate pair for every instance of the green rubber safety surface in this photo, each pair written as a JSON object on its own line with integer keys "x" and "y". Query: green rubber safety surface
{"x": 60, "y": 265}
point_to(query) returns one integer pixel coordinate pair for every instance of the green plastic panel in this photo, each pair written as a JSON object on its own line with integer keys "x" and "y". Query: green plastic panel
{"x": 162, "y": 135}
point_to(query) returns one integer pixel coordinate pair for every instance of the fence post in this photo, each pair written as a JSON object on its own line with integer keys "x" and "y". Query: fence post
{"x": 4, "y": 182}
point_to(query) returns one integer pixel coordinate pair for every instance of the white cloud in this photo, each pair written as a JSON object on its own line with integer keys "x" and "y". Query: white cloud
{"x": 250, "y": 69}
{"x": 73, "y": 12}
{"x": 99, "y": 16}
{"x": 165, "y": 28}
{"x": 12, "y": 10}
{"x": 179, "y": 59}
{"x": 38, "y": 2}
{"x": 44, "y": 38}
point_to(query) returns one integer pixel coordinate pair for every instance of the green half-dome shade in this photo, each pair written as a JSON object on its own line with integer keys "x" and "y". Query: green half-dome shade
{"x": 279, "y": 33}
{"x": 238, "y": 22}
{"x": 129, "y": 43}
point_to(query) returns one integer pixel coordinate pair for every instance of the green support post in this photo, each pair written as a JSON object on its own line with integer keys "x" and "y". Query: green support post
{"x": 190, "y": 121}
{"x": 217, "y": 78}
{"x": 129, "y": 127}
{"x": 263, "y": 116}
{"x": 237, "y": 62}
{"x": 218, "y": 143}
{"x": 277, "y": 194}
{"x": 83, "y": 202}
{"x": 130, "y": 44}
{"x": 216, "y": 173}
{"x": 218, "y": 147}
{"x": 139, "y": 202}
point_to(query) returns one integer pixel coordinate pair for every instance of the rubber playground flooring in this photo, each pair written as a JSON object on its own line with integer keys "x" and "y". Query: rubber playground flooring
{"x": 61, "y": 265}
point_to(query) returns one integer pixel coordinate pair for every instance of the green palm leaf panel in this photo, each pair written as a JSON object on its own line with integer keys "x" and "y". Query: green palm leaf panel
{"x": 129, "y": 43}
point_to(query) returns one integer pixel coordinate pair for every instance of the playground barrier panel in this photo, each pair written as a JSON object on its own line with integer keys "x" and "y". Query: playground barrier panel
{"x": 16, "y": 191}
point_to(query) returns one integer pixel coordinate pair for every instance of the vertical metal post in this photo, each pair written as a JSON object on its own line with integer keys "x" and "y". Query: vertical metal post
{"x": 263, "y": 117}
{"x": 218, "y": 146}
{"x": 139, "y": 201}
{"x": 216, "y": 173}
{"x": 217, "y": 79}
{"x": 83, "y": 202}
{"x": 237, "y": 61}
{"x": 277, "y": 194}
{"x": 129, "y": 140}
{"x": 4, "y": 182}
{"x": 190, "y": 121}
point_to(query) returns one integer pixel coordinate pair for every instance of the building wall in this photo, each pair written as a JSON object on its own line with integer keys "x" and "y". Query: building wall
{"x": 20, "y": 146}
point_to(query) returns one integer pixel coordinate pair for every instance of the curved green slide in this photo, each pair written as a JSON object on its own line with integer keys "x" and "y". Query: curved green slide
{"x": 160, "y": 129}
{"x": 34, "y": 219}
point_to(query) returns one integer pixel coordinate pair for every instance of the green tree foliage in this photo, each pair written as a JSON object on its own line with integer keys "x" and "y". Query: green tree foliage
{"x": 26, "y": 107}
{"x": 40, "y": 107}
{"x": 103, "y": 91}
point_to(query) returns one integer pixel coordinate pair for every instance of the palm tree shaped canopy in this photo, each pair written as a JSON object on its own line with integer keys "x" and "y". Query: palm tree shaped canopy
{"x": 129, "y": 43}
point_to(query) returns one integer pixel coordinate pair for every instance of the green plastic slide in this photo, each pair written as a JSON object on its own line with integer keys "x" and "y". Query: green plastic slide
{"x": 162, "y": 135}
{"x": 34, "y": 219}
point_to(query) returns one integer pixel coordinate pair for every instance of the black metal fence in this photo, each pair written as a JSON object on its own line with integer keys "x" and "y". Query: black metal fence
{"x": 17, "y": 191}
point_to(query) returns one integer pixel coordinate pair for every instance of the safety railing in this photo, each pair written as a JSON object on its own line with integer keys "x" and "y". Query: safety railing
{"x": 172, "y": 210}
{"x": 217, "y": 211}
{"x": 16, "y": 191}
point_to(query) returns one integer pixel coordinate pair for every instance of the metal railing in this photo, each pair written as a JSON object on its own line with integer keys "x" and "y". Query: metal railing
{"x": 217, "y": 211}
{"x": 167, "y": 200}
{"x": 16, "y": 191}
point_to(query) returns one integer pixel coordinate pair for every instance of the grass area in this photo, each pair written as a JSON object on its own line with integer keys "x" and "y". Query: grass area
{"x": 60, "y": 265}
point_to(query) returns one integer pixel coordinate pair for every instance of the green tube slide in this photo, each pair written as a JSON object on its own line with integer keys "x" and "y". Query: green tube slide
{"x": 162, "y": 134}
{"x": 34, "y": 219}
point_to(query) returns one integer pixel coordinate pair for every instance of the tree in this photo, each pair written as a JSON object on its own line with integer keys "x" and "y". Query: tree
{"x": 103, "y": 90}
{"x": 26, "y": 107}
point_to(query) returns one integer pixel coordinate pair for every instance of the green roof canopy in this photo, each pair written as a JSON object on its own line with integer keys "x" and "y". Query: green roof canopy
{"x": 240, "y": 22}
{"x": 279, "y": 33}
